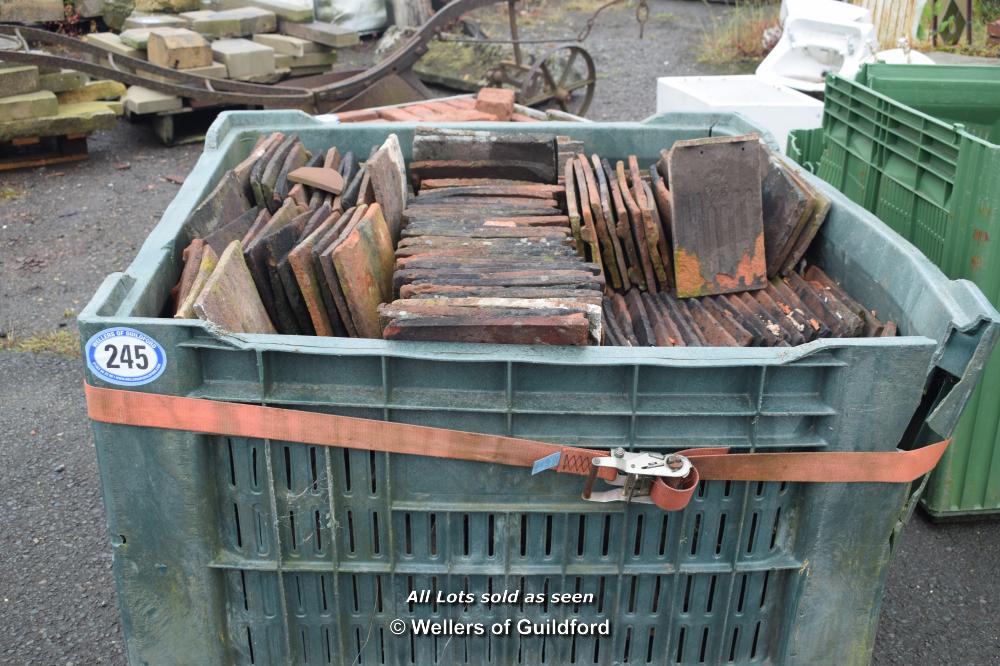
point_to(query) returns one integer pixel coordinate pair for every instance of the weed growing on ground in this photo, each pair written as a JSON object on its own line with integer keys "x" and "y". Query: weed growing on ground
{"x": 64, "y": 342}
{"x": 743, "y": 35}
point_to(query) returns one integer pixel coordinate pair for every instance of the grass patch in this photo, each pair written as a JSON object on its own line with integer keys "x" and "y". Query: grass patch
{"x": 743, "y": 35}
{"x": 10, "y": 193}
{"x": 64, "y": 342}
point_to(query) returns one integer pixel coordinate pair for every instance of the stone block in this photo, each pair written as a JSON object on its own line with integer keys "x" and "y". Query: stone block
{"x": 287, "y": 10}
{"x": 147, "y": 21}
{"x": 42, "y": 69}
{"x": 241, "y": 22}
{"x": 69, "y": 119}
{"x": 327, "y": 34}
{"x": 140, "y": 101}
{"x": 315, "y": 60}
{"x": 109, "y": 41}
{"x": 178, "y": 48}
{"x": 116, "y": 12}
{"x": 216, "y": 70}
{"x": 93, "y": 92}
{"x": 19, "y": 79}
{"x": 31, "y": 11}
{"x": 190, "y": 17}
{"x": 288, "y": 45}
{"x": 243, "y": 58}
{"x": 308, "y": 71}
{"x": 137, "y": 38}
{"x": 269, "y": 78}
{"x": 61, "y": 81}
{"x": 89, "y": 8}
{"x": 29, "y": 105}
{"x": 165, "y": 6}
{"x": 115, "y": 106}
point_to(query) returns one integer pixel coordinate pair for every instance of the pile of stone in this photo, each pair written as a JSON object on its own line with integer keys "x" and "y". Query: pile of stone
{"x": 41, "y": 105}
{"x": 246, "y": 43}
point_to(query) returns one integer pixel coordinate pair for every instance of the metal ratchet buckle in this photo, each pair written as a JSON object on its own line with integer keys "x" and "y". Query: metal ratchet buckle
{"x": 636, "y": 473}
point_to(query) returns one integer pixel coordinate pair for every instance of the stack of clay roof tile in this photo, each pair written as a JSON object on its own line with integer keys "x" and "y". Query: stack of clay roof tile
{"x": 517, "y": 238}
{"x": 296, "y": 243}
{"x": 487, "y": 258}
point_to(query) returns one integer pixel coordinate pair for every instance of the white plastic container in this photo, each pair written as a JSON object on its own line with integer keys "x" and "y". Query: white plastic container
{"x": 776, "y": 108}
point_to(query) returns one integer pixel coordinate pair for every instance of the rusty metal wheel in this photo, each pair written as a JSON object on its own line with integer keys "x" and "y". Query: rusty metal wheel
{"x": 562, "y": 78}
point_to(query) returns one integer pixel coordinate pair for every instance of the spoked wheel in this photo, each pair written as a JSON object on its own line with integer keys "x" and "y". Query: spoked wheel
{"x": 563, "y": 78}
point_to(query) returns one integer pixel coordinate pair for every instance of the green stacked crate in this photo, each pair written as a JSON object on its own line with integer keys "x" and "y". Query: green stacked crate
{"x": 919, "y": 146}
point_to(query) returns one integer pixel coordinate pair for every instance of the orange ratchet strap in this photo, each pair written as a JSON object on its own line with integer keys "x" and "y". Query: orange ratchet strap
{"x": 666, "y": 480}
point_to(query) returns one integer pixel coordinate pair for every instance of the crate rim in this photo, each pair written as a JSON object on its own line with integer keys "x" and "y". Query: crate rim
{"x": 233, "y": 126}
{"x": 958, "y": 128}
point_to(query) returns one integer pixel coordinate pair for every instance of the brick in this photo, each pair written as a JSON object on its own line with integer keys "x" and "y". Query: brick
{"x": 93, "y": 92}
{"x": 30, "y": 105}
{"x": 240, "y": 22}
{"x": 111, "y": 42}
{"x": 149, "y": 21}
{"x": 19, "y": 79}
{"x": 469, "y": 115}
{"x": 397, "y": 115}
{"x": 322, "y": 33}
{"x": 357, "y": 116}
{"x": 497, "y": 101}
{"x": 62, "y": 81}
{"x": 423, "y": 112}
{"x": 243, "y": 58}
{"x": 140, "y": 101}
{"x": 461, "y": 102}
{"x": 288, "y": 45}
{"x": 178, "y": 48}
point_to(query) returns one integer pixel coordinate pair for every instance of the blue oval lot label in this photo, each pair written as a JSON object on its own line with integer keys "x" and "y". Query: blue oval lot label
{"x": 125, "y": 356}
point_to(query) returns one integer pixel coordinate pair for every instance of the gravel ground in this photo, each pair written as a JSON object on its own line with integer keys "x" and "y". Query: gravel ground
{"x": 62, "y": 229}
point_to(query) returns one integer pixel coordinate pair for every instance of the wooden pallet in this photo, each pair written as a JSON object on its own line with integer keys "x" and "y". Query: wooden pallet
{"x": 36, "y": 151}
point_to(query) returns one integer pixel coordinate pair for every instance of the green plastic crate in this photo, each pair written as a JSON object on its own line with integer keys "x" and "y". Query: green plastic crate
{"x": 805, "y": 146}
{"x": 242, "y": 551}
{"x": 918, "y": 146}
